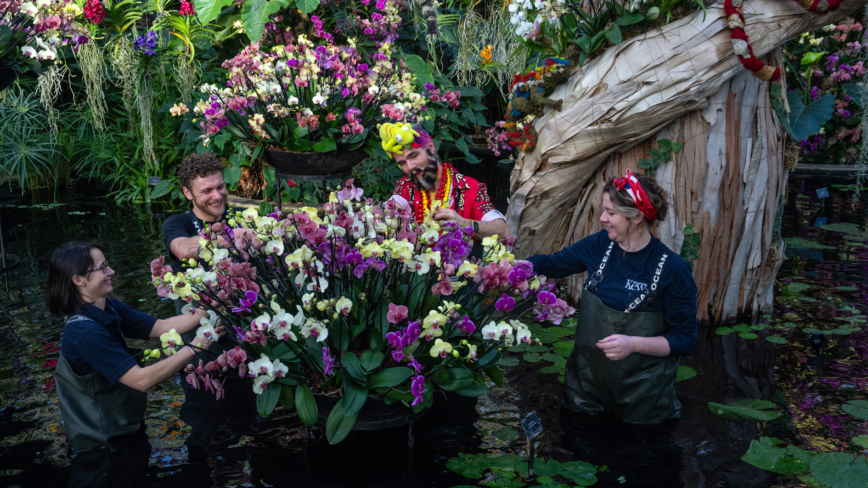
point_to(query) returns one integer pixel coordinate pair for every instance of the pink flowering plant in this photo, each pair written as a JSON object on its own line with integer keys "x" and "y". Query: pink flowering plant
{"x": 302, "y": 94}
{"x": 32, "y": 32}
{"x": 359, "y": 302}
{"x": 823, "y": 69}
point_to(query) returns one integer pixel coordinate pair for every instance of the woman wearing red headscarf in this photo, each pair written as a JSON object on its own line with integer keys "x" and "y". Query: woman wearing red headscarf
{"x": 638, "y": 310}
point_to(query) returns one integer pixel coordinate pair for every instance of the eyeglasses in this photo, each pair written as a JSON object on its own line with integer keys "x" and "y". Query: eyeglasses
{"x": 103, "y": 268}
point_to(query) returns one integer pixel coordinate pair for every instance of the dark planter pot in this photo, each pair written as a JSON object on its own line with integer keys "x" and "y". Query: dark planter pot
{"x": 7, "y": 77}
{"x": 312, "y": 163}
{"x": 375, "y": 415}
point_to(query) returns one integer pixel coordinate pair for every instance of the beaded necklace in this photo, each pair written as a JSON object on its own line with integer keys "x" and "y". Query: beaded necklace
{"x": 424, "y": 205}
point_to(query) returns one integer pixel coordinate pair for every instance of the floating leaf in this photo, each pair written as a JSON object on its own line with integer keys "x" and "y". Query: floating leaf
{"x": 765, "y": 455}
{"x": 759, "y": 326}
{"x": 840, "y": 470}
{"x": 543, "y": 468}
{"x": 860, "y": 440}
{"x": 549, "y": 356}
{"x": 846, "y": 288}
{"x": 796, "y": 243}
{"x": 845, "y": 228}
{"x": 777, "y": 339}
{"x": 582, "y": 473}
{"x": 685, "y": 373}
{"x": 468, "y": 465}
{"x": 811, "y": 330}
{"x": 506, "y": 434}
{"x": 742, "y": 328}
{"x": 808, "y": 299}
{"x": 857, "y": 408}
{"x": 537, "y": 349}
{"x": 841, "y": 331}
{"x": 508, "y": 362}
{"x": 724, "y": 331}
{"x": 532, "y": 357}
{"x": 748, "y": 335}
{"x": 558, "y": 367}
{"x": 751, "y": 409}
{"x": 796, "y": 287}
{"x": 790, "y": 325}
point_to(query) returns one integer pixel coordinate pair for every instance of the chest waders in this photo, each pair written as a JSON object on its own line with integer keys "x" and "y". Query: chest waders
{"x": 639, "y": 388}
{"x": 94, "y": 410}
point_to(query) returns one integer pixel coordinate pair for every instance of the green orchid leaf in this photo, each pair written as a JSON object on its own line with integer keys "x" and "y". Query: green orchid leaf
{"x": 750, "y": 409}
{"x": 267, "y": 400}
{"x": 389, "y": 377}
{"x": 305, "y": 405}
{"x": 339, "y": 423}
{"x": 420, "y": 68}
{"x": 630, "y": 18}
{"x": 453, "y": 379}
{"x": 325, "y": 145}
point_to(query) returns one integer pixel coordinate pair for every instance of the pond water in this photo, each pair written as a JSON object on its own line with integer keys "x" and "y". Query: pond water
{"x": 195, "y": 441}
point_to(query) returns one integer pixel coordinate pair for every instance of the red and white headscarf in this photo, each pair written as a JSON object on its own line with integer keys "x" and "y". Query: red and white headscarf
{"x": 634, "y": 189}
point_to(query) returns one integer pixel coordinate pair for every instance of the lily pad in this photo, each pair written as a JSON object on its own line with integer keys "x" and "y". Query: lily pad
{"x": 748, "y": 335}
{"x": 808, "y": 299}
{"x": 582, "y": 473}
{"x": 468, "y": 465}
{"x": 549, "y": 356}
{"x": 508, "y": 362}
{"x": 532, "y": 357}
{"x": 796, "y": 243}
{"x": 796, "y": 288}
{"x": 789, "y": 325}
{"x": 857, "y": 408}
{"x": 724, "y": 331}
{"x": 759, "y": 326}
{"x": 811, "y": 330}
{"x": 860, "y": 440}
{"x": 846, "y": 288}
{"x": 765, "y": 454}
{"x": 543, "y": 468}
{"x": 742, "y": 328}
{"x": 845, "y": 228}
{"x": 750, "y": 409}
{"x": 685, "y": 373}
{"x": 840, "y": 470}
{"x": 537, "y": 349}
{"x": 777, "y": 339}
{"x": 558, "y": 367}
{"x": 506, "y": 434}
{"x": 842, "y": 331}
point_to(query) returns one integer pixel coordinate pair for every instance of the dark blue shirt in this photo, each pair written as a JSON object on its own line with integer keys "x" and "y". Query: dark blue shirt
{"x": 93, "y": 339}
{"x": 626, "y": 275}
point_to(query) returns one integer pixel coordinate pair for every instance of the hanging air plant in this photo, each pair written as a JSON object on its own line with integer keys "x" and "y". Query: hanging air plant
{"x": 186, "y": 77}
{"x": 125, "y": 65}
{"x": 93, "y": 70}
{"x": 48, "y": 88}
{"x": 145, "y": 103}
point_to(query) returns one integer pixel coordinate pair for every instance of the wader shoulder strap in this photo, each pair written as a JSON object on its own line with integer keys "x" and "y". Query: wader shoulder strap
{"x": 597, "y": 277}
{"x": 650, "y": 293}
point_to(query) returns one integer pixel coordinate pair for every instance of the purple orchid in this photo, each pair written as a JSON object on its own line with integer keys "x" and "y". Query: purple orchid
{"x": 246, "y": 304}
{"x": 328, "y": 361}
{"x": 505, "y": 304}
{"x": 466, "y": 325}
{"x": 547, "y": 298}
{"x": 415, "y": 365}
{"x": 417, "y": 388}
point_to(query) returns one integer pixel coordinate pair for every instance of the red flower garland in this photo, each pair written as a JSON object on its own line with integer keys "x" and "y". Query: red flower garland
{"x": 820, "y": 6}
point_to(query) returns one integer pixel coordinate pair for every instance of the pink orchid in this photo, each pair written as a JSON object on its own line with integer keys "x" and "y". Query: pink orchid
{"x": 396, "y": 313}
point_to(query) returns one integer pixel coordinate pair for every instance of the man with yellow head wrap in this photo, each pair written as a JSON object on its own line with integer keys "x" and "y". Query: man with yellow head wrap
{"x": 433, "y": 187}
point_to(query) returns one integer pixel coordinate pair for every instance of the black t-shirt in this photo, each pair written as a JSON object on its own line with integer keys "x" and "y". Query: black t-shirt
{"x": 184, "y": 225}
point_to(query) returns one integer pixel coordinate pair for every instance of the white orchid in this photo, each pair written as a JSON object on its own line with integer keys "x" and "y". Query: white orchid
{"x": 280, "y": 369}
{"x": 261, "y": 382}
{"x": 261, "y": 323}
{"x": 209, "y": 278}
{"x": 206, "y": 331}
{"x": 220, "y": 255}
{"x": 28, "y": 8}
{"x": 274, "y": 247}
{"x": 262, "y": 367}
{"x": 318, "y": 99}
{"x": 491, "y": 332}
{"x": 28, "y": 51}
{"x": 420, "y": 267}
{"x": 316, "y": 329}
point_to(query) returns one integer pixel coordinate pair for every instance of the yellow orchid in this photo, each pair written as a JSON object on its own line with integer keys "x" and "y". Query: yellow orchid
{"x": 467, "y": 270}
{"x": 312, "y": 213}
{"x": 441, "y": 348}
{"x": 490, "y": 241}
{"x": 434, "y": 319}
{"x": 344, "y": 305}
{"x": 299, "y": 257}
{"x": 432, "y": 257}
{"x": 250, "y": 214}
{"x": 372, "y": 250}
{"x": 534, "y": 283}
{"x": 171, "y": 339}
{"x": 429, "y": 236}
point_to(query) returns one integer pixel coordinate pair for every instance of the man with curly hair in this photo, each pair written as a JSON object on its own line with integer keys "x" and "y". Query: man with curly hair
{"x": 202, "y": 182}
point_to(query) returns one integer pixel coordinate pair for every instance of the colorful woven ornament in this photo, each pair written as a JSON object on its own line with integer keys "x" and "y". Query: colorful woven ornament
{"x": 741, "y": 44}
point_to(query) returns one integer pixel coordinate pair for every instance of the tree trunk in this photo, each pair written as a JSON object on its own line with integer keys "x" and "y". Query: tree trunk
{"x": 682, "y": 83}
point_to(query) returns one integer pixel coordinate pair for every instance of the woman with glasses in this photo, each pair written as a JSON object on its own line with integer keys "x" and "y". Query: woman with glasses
{"x": 100, "y": 384}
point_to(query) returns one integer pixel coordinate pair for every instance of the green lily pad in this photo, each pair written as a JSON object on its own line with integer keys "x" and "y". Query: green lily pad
{"x": 840, "y": 470}
{"x": 846, "y": 288}
{"x": 543, "y": 468}
{"x": 750, "y": 409}
{"x": 550, "y": 356}
{"x": 508, "y": 362}
{"x": 841, "y": 331}
{"x": 558, "y": 367}
{"x": 860, "y": 440}
{"x": 506, "y": 434}
{"x": 742, "y": 328}
{"x": 796, "y": 288}
{"x": 808, "y": 299}
{"x": 789, "y": 325}
{"x": 777, "y": 339}
{"x": 532, "y": 357}
{"x": 724, "y": 331}
{"x": 468, "y": 465}
{"x": 748, "y": 335}
{"x": 759, "y": 326}
{"x": 796, "y": 243}
{"x": 685, "y": 373}
{"x": 565, "y": 345}
{"x": 845, "y": 228}
{"x": 765, "y": 454}
{"x": 857, "y": 408}
{"x": 811, "y": 330}
{"x": 582, "y": 473}
{"x": 563, "y": 352}
{"x": 537, "y": 349}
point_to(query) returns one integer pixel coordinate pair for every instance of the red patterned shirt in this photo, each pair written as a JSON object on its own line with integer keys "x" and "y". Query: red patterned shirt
{"x": 469, "y": 198}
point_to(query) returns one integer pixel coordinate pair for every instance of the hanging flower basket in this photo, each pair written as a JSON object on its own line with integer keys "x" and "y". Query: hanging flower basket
{"x": 8, "y": 75}
{"x": 312, "y": 163}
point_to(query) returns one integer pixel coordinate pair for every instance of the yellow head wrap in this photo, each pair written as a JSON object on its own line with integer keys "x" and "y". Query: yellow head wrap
{"x": 397, "y": 137}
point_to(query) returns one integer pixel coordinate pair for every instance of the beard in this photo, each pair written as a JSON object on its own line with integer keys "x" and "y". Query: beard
{"x": 203, "y": 206}
{"x": 426, "y": 178}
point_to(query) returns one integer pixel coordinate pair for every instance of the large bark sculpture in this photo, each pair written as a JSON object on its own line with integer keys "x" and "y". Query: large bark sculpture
{"x": 682, "y": 83}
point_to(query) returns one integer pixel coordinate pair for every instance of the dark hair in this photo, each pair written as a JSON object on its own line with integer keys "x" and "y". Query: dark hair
{"x": 61, "y": 295}
{"x": 622, "y": 201}
{"x": 198, "y": 165}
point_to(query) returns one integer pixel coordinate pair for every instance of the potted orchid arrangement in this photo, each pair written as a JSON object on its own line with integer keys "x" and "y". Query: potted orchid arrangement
{"x": 32, "y": 32}
{"x": 307, "y": 96}
{"x": 359, "y": 305}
